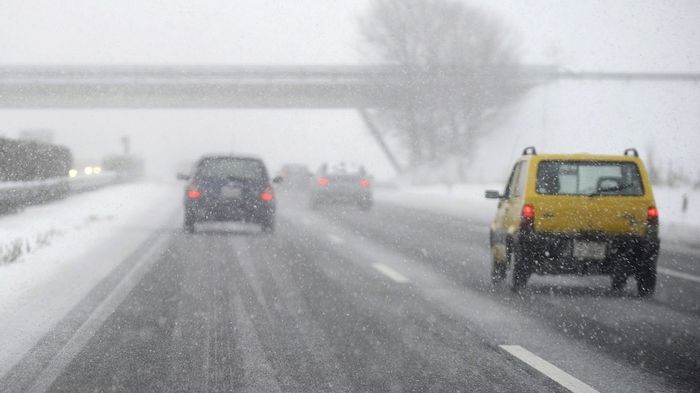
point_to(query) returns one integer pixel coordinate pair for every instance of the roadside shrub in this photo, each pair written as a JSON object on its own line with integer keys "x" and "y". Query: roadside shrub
{"x": 25, "y": 161}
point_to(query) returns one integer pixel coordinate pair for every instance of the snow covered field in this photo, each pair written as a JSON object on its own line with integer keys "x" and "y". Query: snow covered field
{"x": 467, "y": 200}
{"x": 54, "y": 254}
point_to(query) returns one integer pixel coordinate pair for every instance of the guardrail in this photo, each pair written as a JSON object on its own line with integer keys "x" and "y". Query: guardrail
{"x": 16, "y": 195}
{"x": 87, "y": 183}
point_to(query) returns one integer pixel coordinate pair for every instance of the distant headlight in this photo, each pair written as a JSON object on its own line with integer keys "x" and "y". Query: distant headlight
{"x": 96, "y": 170}
{"x": 88, "y": 170}
{"x": 73, "y": 173}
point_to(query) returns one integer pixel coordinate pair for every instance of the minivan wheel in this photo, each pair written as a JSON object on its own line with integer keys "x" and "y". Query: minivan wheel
{"x": 521, "y": 269}
{"x": 619, "y": 280}
{"x": 365, "y": 205}
{"x": 314, "y": 203}
{"x": 189, "y": 221}
{"x": 646, "y": 279}
{"x": 189, "y": 226}
{"x": 268, "y": 226}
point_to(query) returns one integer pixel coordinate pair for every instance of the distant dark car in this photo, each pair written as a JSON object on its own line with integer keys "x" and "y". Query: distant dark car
{"x": 341, "y": 182}
{"x": 296, "y": 176}
{"x": 229, "y": 188}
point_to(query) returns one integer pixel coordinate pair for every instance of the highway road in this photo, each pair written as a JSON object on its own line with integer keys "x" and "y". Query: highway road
{"x": 340, "y": 300}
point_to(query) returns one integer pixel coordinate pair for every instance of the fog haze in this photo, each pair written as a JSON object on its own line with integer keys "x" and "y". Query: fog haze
{"x": 595, "y": 35}
{"x": 424, "y": 225}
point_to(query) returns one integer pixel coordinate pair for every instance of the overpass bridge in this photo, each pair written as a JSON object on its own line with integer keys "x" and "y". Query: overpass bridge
{"x": 214, "y": 86}
{"x": 352, "y": 87}
{"x": 253, "y": 86}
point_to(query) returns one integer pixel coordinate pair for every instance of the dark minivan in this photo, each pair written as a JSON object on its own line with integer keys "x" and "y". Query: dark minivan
{"x": 229, "y": 188}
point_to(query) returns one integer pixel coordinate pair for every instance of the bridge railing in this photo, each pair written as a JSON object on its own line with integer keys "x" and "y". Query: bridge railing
{"x": 358, "y": 86}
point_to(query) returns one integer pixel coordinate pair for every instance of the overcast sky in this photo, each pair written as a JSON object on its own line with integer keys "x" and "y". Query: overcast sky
{"x": 583, "y": 34}
{"x": 625, "y": 35}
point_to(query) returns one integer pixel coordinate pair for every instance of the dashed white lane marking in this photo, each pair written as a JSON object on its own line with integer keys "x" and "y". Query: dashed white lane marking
{"x": 88, "y": 329}
{"x": 335, "y": 239}
{"x": 389, "y": 272}
{"x": 553, "y": 372}
{"x": 677, "y": 274}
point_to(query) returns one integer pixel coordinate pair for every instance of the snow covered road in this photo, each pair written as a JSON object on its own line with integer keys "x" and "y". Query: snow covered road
{"x": 398, "y": 298}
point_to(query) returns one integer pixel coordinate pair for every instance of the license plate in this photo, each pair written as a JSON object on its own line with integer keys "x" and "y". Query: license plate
{"x": 230, "y": 192}
{"x": 589, "y": 250}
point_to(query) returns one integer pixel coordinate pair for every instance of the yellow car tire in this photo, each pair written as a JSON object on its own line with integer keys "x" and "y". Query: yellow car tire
{"x": 521, "y": 268}
{"x": 498, "y": 271}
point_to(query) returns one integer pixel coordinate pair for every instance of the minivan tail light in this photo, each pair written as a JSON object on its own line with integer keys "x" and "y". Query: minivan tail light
{"x": 194, "y": 193}
{"x": 364, "y": 183}
{"x": 527, "y": 217}
{"x": 267, "y": 195}
{"x": 323, "y": 181}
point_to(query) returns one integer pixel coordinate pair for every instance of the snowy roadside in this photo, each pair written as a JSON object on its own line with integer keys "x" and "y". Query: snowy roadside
{"x": 467, "y": 200}
{"x": 54, "y": 254}
{"x": 37, "y": 227}
{"x": 463, "y": 200}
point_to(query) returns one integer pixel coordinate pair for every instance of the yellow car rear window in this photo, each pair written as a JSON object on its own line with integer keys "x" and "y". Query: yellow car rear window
{"x": 592, "y": 178}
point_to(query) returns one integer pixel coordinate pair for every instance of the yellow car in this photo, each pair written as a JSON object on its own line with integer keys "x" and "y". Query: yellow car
{"x": 577, "y": 214}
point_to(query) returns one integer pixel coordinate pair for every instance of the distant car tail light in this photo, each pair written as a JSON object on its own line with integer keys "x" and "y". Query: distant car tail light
{"x": 268, "y": 194}
{"x": 323, "y": 181}
{"x": 364, "y": 183}
{"x": 194, "y": 193}
{"x": 527, "y": 217}
{"x": 653, "y": 216}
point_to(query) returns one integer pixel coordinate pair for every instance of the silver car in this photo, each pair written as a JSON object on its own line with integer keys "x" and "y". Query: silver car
{"x": 341, "y": 182}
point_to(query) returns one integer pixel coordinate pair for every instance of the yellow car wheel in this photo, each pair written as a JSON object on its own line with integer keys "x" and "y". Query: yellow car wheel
{"x": 646, "y": 279}
{"x": 498, "y": 270}
{"x": 521, "y": 268}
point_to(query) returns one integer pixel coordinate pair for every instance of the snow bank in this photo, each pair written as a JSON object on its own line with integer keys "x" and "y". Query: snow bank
{"x": 678, "y": 225}
{"x": 39, "y": 226}
{"x": 467, "y": 200}
{"x": 462, "y": 200}
{"x": 56, "y": 253}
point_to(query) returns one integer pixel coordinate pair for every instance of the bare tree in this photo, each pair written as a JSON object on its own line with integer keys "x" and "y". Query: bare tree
{"x": 461, "y": 66}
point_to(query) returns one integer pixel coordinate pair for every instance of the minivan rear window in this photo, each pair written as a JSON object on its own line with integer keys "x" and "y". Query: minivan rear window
{"x": 344, "y": 168}
{"x": 231, "y": 167}
{"x": 604, "y": 178}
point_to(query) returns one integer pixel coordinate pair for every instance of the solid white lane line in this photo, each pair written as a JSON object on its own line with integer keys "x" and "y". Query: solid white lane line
{"x": 677, "y": 274}
{"x": 389, "y": 272}
{"x": 88, "y": 329}
{"x": 335, "y": 239}
{"x": 553, "y": 372}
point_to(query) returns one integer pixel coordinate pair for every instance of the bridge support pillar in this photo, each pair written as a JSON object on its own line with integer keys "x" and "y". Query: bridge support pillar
{"x": 374, "y": 130}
